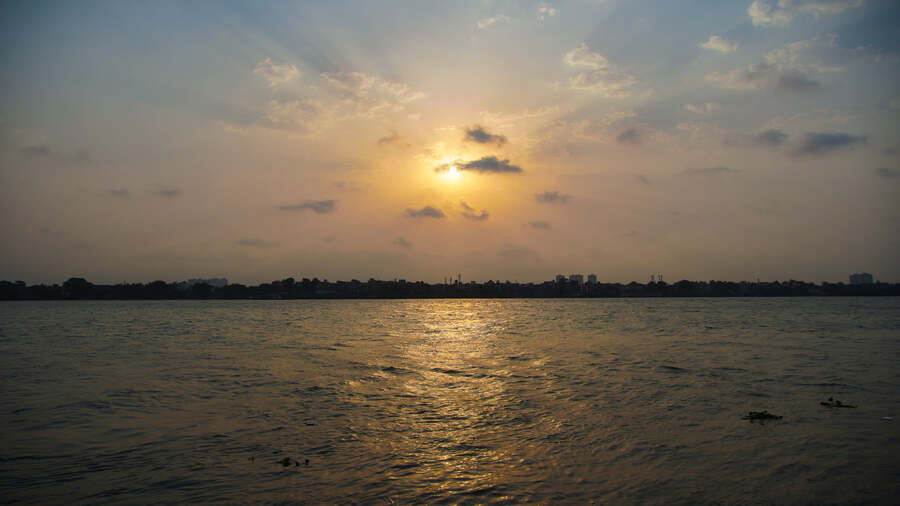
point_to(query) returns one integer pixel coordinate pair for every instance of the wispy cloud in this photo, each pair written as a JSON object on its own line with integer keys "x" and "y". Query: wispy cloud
{"x": 400, "y": 242}
{"x": 545, "y": 11}
{"x": 822, "y": 143}
{"x": 770, "y": 138}
{"x": 255, "y": 242}
{"x": 770, "y": 13}
{"x": 276, "y": 74}
{"x": 540, "y": 225}
{"x": 169, "y": 193}
{"x": 371, "y": 94}
{"x": 710, "y": 171}
{"x": 552, "y": 197}
{"x": 596, "y": 74}
{"x": 316, "y": 206}
{"x": 764, "y": 75}
{"x": 118, "y": 192}
{"x": 703, "y": 108}
{"x": 480, "y": 135}
{"x": 392, "y": 139}
{"x": 491, "y": 21}
{"x": 717, "y": 43}
{"x": 484, "y": 165}
{"x": 629, "y": 136}
{"x": 889, "y": 173}
{"x": 471, "y": 213}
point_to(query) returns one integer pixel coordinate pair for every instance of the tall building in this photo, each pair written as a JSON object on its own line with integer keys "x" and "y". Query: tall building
{"x": 862, "y": 278}
{"x": 592, "y": 279}
{"x": 576, "y": 278}
{"x": 560, "y": 278}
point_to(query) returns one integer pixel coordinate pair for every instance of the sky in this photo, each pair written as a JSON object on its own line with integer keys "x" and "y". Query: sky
{"x": 502, "y": 140}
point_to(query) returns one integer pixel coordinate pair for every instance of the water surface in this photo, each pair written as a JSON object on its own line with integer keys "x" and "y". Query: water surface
{"x": 450, "y": 401}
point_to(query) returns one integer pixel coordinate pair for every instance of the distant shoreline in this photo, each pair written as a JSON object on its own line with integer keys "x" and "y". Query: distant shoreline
{"x": 290, "y": 289}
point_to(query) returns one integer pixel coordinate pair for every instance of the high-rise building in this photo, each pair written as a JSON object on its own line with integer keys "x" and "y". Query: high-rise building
{"x": 576, "y": 278}
{"x": 560, "y": 278}
{"x": 862, "y": 278}
{"x": 592, "y": 279}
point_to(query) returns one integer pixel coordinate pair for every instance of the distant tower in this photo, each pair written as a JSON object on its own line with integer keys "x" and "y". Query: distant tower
{"x": 659, "y": 278}
{"x": 459, "y": 278}
{"x": 652, "y": 278}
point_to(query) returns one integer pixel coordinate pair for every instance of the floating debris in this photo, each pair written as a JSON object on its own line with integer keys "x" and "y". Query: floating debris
{"x": 311, "y": 421}
{"x": 833, "y": 403}
{"x": 285, "y": 461}
{"x": 761, "y": 415}
{"x": 306, "y": 463}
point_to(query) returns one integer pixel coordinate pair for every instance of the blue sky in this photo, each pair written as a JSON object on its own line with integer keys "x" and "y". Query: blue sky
{"x": 256, "y": 141}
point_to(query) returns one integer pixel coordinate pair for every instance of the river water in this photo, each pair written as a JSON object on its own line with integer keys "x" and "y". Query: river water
{"x": 634, "y": 401}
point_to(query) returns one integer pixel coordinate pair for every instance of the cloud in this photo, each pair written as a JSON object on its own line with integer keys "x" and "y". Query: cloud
{"x": 44, "y": 151}
{"x": 769, "y": 13}
{"x": 704, "y": 108}
{"x": 254, "y": 242}
{"x": 484, "y": 165}
{"x": 821, "y": 143}
{"x": 169, "y": 193}
{"x": 500, "y": 118}
{"x": 596, "y": 74}
{"x": 770, "y": 138}
{"x": 518, "y": 253}
{"x": 818, "y": 54}
{"x": 545, "y": 11}
{"x": 540, "y": 225}
{"x": 489, "y": 22}
{"x": 299, "y": 116}
{"x": 717, "y": 43}
{"x": 480, "y": 135}
{"x": 392, "y": 139}
{"x": 276, "y": 74}
{"x": 425, "y": 212}
{"x": 710, "y": 171}
{"x": 400, "y": 242}
{"x": 370, "y": 94}
{"x": 118, "y": 192}
{"x": 888, "y": 173}
{"x": 552, "y": 197}
{"x": 472, "y": 213}
{"x": 642, "y": 179}
{"x": 316, "y": 206}
{"x": 629, "y": 136}
{"x": 763, "y": 75}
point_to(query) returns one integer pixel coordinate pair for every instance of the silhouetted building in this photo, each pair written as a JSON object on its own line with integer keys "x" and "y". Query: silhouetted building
{"x": 862, "y": 278}
{"x": 576, "y": 278}
{"x": 592, "y": 279}
{"x": 560, "y": 278}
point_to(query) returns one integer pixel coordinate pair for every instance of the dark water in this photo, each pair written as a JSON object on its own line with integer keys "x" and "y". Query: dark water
{"x": 518, "y": 401}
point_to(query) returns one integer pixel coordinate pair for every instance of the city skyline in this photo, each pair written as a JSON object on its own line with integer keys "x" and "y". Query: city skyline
{"x": 501, "y": 139}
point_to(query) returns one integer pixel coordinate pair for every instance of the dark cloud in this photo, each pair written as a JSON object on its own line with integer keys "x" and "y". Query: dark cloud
{"x": 393, "y": 139}
{"x": 888, "y": 173}
{"x": 643, "y": 180}
{"x": 770, "y": 138}
{"x": 630, "y": 136}
{"x": 425, "y": 212}
{"x": 541, "y": 225}
{"x": 552, "y": 197}
{"x": 42, "y": 151}
{"x": 118, "y": 192}
{"x": 401, "y": 243}
{"x": 169, "y": 193}
{"x": 80, "y": 157}
{"x": 254, "y": 242}
{"x": 478, "y": 134}
{"x": 820, "y": 143}
{"x": 316, "y": 206}
{"x": 472, "y": 213}
{"x": 797, "y": 82}
{"x": 485, "y": 165}
{"x": 710, "y": 171}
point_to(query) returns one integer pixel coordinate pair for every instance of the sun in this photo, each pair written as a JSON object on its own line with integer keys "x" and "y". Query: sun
{"x": 451, "y": 172}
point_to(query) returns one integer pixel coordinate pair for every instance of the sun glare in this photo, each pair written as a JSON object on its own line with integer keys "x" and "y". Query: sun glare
{"x": 452, "y": 173}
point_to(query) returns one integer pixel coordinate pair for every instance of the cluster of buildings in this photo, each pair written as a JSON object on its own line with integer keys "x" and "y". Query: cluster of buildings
{"x": 577, "y": 279}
